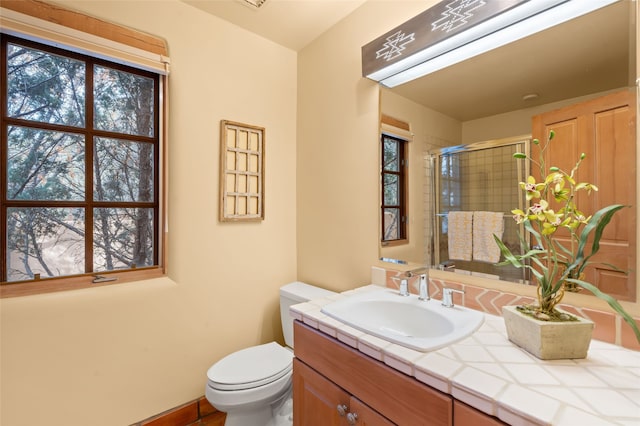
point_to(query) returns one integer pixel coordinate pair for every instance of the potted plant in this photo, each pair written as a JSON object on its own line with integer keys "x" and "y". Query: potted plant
{"x": 557, "y": 264}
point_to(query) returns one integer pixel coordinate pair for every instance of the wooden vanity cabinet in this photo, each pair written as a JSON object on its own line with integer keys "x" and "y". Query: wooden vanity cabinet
{"x": 318, "y": 400}
{"x": 328, "y": 374}
{"x": 463, "y": 415}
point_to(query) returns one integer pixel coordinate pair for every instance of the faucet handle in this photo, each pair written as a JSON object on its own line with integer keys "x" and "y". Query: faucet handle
{"x": 424, "y": 288}
{"x": 404, "y": 287}
{"x": 447, "y": 296}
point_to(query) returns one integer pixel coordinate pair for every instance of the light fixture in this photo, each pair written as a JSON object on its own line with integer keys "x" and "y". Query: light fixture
{"x": 507, "y": 26}
{"x": 254, "y": 4}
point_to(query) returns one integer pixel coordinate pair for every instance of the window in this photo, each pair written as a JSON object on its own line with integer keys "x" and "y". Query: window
{"x": 394, "y": 216}
{"x": 80, "y": 170}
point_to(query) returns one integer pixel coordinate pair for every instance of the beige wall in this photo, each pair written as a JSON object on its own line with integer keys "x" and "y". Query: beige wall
{"x": 338, "y": 149}
{"x": 115, "y": 355}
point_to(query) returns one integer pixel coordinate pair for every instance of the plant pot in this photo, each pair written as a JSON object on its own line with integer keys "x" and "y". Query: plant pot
{"x": 547, "y": 339}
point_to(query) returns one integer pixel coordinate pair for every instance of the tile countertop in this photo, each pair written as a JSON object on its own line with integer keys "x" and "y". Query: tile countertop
{"x": 491, "y": 374}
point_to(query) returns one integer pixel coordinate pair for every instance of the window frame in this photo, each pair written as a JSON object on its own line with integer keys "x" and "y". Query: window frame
{"x": 402, "y": 174}
{"x": 119, "y": 35}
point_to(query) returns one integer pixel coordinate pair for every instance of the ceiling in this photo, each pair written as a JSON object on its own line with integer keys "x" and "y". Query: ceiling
{"x": 587, "y": 55}
{"x": 290, "y": 23}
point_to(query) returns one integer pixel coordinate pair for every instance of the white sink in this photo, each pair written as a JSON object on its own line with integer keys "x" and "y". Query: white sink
{"x": 407, "y": 321}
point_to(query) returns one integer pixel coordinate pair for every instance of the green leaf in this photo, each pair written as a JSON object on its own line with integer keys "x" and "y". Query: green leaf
{"x": 509, "y": 257}
{"x": 597, "y": 223}
{"x": 611, "y": 301}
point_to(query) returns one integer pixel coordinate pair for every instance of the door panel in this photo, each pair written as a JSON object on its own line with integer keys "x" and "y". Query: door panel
{"x": 316, "y": 398}
{"x": 603, "y": 129}
{"x": 367, "y": 416}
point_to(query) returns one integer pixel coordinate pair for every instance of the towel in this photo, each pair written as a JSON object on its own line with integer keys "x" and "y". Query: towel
{"x": 485, "y": 225}
{"x": 460, "y": 235}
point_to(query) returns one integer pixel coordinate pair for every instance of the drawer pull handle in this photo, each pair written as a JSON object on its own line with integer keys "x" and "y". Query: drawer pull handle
{"x": 352, "y": 418}
{"x": 342, "y": 409}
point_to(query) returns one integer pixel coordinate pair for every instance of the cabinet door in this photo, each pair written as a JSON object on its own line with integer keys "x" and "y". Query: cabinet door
{"x": 316, "y": 399}
{"x": 463, "y": 415}
{"x": 366, "y": 416}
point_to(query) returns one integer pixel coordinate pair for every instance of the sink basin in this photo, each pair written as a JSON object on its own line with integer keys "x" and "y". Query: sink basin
{"x": 416, "y": 324}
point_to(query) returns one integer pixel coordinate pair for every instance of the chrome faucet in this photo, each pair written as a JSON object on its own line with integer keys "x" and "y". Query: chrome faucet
{"x": 447, "y": 296}
{"x": 404, "y": 287}
{"x": 423, "y": 286}
{"x": 420, "y": 270}
{"x": 447, "y": 265}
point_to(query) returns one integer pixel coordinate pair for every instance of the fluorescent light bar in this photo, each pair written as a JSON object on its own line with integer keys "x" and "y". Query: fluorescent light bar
{"x": 515, "y": 24}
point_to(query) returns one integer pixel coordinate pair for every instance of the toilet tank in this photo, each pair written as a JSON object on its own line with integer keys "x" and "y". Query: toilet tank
{"x": 292, "y": 294}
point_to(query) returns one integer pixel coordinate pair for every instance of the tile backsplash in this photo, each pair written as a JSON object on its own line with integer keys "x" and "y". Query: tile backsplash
{"x": 609, "y": 327}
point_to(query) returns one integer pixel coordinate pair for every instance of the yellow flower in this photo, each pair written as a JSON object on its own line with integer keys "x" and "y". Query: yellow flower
{"x": 531, "y": 188}
{"x": 518, "y": 216}
{"x": 552, "y": 222}
{"x": 588, "y": 186}
{"x": 538, "y": 209}
{"x": 548, "y": 229}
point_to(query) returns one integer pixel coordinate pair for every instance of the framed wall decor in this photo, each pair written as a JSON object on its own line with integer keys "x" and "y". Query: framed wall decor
{"x": 241, "y": 172}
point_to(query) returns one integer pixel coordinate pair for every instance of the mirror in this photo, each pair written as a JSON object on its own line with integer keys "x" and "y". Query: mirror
{"x": 494, "y": 96}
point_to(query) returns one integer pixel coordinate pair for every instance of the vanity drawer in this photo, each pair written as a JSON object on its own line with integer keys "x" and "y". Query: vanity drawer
{"x": 398, "y": 397}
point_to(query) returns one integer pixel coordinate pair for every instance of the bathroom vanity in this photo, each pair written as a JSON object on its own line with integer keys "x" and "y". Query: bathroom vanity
{"x": 334, "y": 384}
{"x": 345, "y": 376}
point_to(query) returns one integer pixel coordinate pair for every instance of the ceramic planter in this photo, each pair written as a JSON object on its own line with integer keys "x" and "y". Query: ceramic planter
{"x": 548, "y": 340}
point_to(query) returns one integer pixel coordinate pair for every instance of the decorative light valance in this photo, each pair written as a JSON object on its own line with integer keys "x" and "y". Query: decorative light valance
{"x": 455, "y": 30}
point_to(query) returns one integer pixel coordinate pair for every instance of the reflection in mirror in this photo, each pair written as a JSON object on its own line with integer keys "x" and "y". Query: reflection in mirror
{"x": 477, "y": 181}
{"x": 495, "y": 95}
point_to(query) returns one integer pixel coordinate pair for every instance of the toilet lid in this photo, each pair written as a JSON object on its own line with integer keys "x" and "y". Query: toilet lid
{"x": 251, "y": 367}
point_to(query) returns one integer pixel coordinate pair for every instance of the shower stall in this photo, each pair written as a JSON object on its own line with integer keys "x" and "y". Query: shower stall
{"x": 481, "y": 176}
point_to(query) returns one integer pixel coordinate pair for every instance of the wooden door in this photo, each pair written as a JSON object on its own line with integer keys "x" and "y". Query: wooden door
{"x": 366, "y": 416}
{"x": 316, "y": 399}
{"x": 605, "y": 130}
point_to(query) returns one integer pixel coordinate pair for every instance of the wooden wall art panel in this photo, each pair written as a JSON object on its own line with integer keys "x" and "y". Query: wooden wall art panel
{"x": 241, "y": 172}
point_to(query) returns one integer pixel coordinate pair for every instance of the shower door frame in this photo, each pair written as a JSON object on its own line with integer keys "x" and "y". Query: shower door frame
{"x": 523, "y": 170}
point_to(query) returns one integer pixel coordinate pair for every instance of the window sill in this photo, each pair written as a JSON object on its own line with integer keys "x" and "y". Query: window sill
{"x": 52, "y": 285}
{"x": 394, "y": 243}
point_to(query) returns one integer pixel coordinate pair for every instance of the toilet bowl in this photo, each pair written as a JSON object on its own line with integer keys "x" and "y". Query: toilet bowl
{"x": 249, "y": 385}
{"x": 253, "y": 385}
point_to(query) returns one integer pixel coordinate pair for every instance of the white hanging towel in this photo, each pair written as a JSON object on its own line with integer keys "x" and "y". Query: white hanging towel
{"x": 460, "y": 228}
{"x": 485, "y": 225}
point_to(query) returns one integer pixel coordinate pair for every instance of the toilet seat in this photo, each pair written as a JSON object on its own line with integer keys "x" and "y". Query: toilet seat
{"x": 251, "y": 367}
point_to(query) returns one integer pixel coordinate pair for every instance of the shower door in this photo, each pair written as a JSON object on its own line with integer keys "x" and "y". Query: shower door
{"x": 480, "y": 177}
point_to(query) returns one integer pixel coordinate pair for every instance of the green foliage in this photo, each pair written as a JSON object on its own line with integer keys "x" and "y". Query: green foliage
{"x": 49, "y": 147}
{"x": 557, "y": 266}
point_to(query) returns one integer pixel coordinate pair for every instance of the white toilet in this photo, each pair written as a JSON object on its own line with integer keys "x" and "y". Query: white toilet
{"x": 253, "y": 385}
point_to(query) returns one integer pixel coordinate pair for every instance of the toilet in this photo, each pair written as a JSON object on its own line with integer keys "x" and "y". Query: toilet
{"x": 253, "y": 385}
